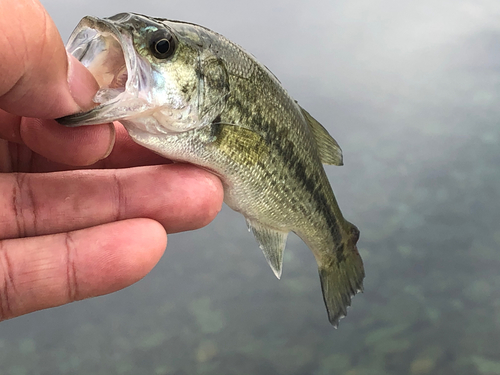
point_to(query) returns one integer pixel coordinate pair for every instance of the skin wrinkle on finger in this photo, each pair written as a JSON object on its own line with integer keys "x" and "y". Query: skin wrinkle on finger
{"x": 7, "y": 286}
{"x": 23, "y": 206}
{"x": 72, "y": 280}
{"x": 22, "y": 158}
{"x": 120, "y": 198}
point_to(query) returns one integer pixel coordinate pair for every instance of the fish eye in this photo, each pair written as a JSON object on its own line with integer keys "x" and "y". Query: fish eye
{"x": 162, "y": 44}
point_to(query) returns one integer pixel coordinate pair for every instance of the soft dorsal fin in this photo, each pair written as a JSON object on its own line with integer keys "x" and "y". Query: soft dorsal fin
{"x": 328, "y": 148}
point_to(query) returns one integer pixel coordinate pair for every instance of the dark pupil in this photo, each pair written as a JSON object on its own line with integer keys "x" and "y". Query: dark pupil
{"x": 162, "y": 46}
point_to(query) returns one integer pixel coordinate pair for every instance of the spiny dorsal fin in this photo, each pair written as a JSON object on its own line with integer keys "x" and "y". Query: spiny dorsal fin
{"x": 272, "y": 243}
{"x": 328, "y": 148}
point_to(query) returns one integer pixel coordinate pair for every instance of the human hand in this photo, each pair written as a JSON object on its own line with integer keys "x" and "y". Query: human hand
{"x": 85, "y": 211}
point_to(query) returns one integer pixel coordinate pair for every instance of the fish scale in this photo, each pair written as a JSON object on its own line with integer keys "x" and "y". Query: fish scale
{"x": 193, "y": 96}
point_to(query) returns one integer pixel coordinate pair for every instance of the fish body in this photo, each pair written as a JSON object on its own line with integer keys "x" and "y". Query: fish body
{"x": 192, "y": 95}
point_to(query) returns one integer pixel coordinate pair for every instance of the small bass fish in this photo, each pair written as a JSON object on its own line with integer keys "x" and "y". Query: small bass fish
{"x": 191, "y": 95}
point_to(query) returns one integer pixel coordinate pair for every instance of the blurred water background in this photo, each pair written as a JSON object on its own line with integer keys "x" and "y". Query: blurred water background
{"x": 410, "y": 90}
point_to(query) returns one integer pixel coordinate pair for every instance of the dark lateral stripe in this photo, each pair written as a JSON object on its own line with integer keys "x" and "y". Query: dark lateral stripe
{"x": 278, "y": 139}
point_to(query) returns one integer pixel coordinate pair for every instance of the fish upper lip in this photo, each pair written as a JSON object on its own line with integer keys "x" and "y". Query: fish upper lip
{"x": 126, "y": 75}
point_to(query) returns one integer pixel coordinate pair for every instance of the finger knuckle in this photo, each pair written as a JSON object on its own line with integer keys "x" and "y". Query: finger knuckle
{"x": 120, "y": 199}
{"x": 71, "y": 274}
{"x": 24, "y": 206}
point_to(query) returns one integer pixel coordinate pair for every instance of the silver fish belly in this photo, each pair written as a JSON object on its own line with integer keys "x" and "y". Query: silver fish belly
{"x": 191, "y": 95}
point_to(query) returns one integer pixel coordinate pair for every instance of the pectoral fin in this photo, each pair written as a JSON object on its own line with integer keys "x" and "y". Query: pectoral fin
{"x": 243, "y": 145}
{"x": 328, "y": 148}
{"x": 272, "y": 243}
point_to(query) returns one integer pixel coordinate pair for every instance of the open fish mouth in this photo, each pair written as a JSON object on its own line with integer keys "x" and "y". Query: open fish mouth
{"x": 106, "y": 49}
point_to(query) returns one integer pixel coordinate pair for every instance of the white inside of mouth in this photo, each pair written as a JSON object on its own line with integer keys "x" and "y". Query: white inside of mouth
{"x": 104, "y": 58}
{"x": 125, "y": 79}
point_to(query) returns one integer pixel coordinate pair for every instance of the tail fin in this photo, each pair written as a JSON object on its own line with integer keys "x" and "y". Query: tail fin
{"x": 341, "y": 278}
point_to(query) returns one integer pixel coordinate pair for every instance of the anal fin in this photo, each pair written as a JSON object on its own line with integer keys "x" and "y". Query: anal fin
{"x": 272, "y": 242}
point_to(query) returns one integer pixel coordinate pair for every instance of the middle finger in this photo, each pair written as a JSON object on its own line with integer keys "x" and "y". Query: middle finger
{"x": 179, "y": 196}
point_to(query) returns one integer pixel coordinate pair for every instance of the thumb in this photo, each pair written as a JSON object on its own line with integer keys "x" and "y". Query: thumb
{"x": 37, "y": 77}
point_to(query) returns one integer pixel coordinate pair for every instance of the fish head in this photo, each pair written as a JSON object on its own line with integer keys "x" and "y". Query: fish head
{"x": 161, "y": 75}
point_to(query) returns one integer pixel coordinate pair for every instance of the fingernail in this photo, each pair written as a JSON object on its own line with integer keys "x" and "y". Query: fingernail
{"x": 112, "y": 141}
{"x": 82, "y": 84}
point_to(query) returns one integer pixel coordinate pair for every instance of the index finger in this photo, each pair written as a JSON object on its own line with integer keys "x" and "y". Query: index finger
{"x": 38, "y": 79}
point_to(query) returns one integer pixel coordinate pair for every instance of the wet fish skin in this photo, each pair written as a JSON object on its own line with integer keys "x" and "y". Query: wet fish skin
{"x": 212, "y": 104}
